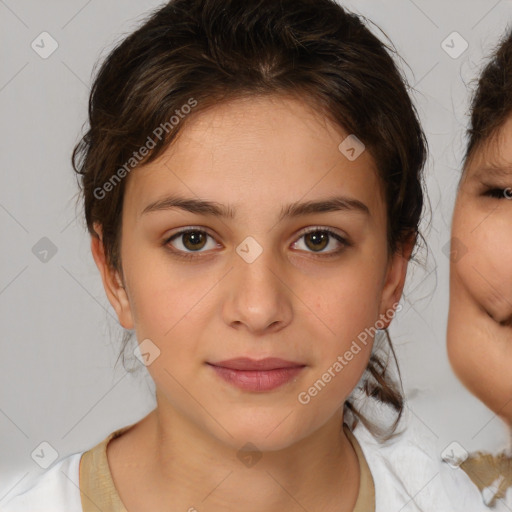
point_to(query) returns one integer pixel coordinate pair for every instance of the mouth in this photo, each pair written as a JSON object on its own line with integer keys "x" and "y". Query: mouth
{"x": 246, "y": 363}
{"x": 257, "y": 375}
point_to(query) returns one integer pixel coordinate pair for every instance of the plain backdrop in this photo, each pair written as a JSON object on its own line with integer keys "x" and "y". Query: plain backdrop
{"x": 59, "y": 335}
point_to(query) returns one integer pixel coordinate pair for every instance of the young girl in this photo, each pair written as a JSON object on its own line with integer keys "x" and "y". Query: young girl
{"x": 480, "y": 315}
{"x": 252, "y": 183}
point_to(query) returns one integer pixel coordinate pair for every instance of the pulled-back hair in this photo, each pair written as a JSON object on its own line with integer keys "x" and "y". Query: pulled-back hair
{"x": 198, "y": 53}
{"x": 491, "y": 104}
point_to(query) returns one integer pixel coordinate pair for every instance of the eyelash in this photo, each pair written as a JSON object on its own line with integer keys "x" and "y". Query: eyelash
{"x": 193, "y": 255}
{"x": 497, "y": 193}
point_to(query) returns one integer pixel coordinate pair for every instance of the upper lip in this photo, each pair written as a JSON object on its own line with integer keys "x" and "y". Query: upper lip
{"x": 246, "y": 363}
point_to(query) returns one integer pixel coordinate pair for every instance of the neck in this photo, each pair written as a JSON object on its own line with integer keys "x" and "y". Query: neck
{"x": 194, "y": 469}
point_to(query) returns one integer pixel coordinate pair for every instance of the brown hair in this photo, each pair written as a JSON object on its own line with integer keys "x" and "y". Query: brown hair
{"x": 203, "y": 52}
{"x": 491, "y": 104}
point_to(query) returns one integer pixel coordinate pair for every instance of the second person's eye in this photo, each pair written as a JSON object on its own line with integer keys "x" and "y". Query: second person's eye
{"x": 499, "y": 193}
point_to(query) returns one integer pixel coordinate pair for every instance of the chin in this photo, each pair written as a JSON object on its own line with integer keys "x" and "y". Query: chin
{"x": 501, "y": 407}
{"x": 266, "y": 434}
{"x": 499, "y": 401}
{"x": 272, "y": 437}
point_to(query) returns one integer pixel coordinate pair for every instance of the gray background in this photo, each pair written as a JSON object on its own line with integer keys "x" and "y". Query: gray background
{"x": 60, "y": 336}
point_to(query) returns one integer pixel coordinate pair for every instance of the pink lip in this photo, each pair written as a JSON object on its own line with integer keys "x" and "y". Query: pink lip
{"x": 257, "y": 375}
{"x": 246, "y": 363}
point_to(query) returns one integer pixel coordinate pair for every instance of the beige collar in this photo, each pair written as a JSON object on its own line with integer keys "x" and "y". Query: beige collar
{"x": 98, "y": 492}
{"x": 366, "y": 496}
{"x": 97, "y": 489}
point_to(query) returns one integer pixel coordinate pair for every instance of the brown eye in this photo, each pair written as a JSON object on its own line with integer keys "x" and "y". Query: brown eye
{"x": 190, "y": 241}
{"x": 317, "y": 240}
{"x": 194, "y": 240}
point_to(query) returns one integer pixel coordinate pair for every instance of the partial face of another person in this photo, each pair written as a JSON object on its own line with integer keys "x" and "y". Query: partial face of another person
{"x": 480, "y": 318}
{"x": 258, "y": 271}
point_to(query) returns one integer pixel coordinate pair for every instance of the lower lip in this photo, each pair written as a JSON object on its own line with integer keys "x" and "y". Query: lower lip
{"x": 258, "y": 380}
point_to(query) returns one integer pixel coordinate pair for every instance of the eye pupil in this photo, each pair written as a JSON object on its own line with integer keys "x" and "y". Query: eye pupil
{"x": 192, "y": 238}
{"x": 318, "y": 238}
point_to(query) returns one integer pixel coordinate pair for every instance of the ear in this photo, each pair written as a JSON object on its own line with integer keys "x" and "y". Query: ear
{"x": 395, "y": 279}
{"x": 112, "y": 282}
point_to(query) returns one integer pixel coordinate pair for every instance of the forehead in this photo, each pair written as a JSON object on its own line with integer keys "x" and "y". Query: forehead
{"x": 493, "y": 158}
{"x": 274, "y": 148}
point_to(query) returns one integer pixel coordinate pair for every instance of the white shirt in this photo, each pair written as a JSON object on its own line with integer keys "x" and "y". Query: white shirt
{"x": 407, "y": 471}
{"x": 55, "y": 490}
{"x": 458, "y": 484}
{"x": 409, "y": 475}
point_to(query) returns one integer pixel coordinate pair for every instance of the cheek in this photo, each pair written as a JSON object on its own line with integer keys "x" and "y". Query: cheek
{"x": 348, "y": 306}
{"x": 486, "y": 373}
{"x": 165, "y": 301}
{"x": 486, "y": 269}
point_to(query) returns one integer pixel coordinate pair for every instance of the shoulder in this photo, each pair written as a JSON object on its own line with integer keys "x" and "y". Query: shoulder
{"x": 55, "y": 490}
{"x": 409, "y": 474}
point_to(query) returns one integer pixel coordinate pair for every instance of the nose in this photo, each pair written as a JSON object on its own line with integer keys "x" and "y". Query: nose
{"x": 257, "y": 297}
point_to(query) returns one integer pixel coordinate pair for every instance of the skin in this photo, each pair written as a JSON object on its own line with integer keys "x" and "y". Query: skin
{"x": 256, "y": 155}
{"x": 479, "y": 333}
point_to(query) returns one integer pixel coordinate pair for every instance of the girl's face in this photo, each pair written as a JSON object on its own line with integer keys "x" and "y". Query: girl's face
{"x": 480, "y": 320}
{"x": 255, "y": 237}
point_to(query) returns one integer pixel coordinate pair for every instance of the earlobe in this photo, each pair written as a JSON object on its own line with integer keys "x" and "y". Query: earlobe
{"x": 112, "y": 282}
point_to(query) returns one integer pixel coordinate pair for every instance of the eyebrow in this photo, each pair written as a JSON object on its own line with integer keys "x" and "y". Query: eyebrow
{"x": 495, "y": 171}
{"x": 297, "y": 209}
